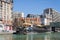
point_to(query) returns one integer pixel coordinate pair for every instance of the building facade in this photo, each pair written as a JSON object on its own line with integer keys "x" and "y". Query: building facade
{"x": 26, "y": 22}
{"x": 17, "y": 15}
{"x": 51, "y": 15}
{"x": 34, "y": 21}
{"x": 17, "y": 19}
{"x": 6, "y": 7}
{"x": 33, "y": 16}
{"x": 42, "y": 19}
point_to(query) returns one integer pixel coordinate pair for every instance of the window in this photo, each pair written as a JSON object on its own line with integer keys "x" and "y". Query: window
{"x": 6, "y": 0}
{"x": 1, "y": 26}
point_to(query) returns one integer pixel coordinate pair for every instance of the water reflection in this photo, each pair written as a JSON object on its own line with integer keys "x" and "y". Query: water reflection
{"x": 47, "y": 37}
{"x": 44, "y": 36}
{"x": 41, "y": 36}
{"x": 6, "y": 37}
{"x": 52, "y": 36}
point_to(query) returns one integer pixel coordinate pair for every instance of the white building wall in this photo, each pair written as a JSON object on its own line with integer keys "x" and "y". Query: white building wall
{"x": 45, "y": 21}
{"x": 22, "y": 14}
{"x": 6, "y": 11}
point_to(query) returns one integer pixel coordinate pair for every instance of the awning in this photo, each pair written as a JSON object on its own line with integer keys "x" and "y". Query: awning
{"x": 26, "y": 24}
{"x": 39, "y": 25}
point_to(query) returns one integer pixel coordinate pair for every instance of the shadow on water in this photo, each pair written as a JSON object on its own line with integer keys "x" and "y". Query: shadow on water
{"x": 32, "y": 36}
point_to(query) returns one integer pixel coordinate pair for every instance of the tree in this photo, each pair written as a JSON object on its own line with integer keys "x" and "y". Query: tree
{"x": 18, "y": 23}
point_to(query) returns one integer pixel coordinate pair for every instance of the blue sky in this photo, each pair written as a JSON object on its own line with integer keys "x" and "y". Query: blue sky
{"x": 35, "y": 6}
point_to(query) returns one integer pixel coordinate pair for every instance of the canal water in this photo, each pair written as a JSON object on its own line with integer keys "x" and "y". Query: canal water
{"x": 32, "y": 36}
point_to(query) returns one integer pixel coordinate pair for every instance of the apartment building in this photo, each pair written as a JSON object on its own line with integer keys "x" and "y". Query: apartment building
{"x": 33, "y": 16}
{"x": 17, "y": 15}
{"x": 6, "y": 7}
{"x": 34, "y": 19}
{"x": 26, "y": 22}
{"x": 51, "y": 15}
{"x": 16, "y": 18}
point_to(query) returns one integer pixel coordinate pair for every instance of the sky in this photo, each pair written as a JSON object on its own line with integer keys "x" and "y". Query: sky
{"x": 35, "y": 6}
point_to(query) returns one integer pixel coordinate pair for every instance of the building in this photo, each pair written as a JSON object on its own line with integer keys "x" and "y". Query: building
{"x": 33, "y": 16}
{"x": 51, "y": 15}
{"x": 34, "y": 21}
{"x": 17, "y": 15}
{"x": 42, "y": 19}
{"x": 26, "y": 22}
{"x": 17, "y": 18}
{"x": 6, "y": 7}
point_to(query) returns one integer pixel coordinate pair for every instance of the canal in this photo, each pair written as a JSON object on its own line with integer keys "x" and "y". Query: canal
{"x": 32, "y": 36}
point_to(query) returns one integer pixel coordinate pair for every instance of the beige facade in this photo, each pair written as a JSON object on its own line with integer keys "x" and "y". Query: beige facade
{"x": 6, "y": 11}
{"x": 26, "y": 22}
{"x": 17, "y": 15}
